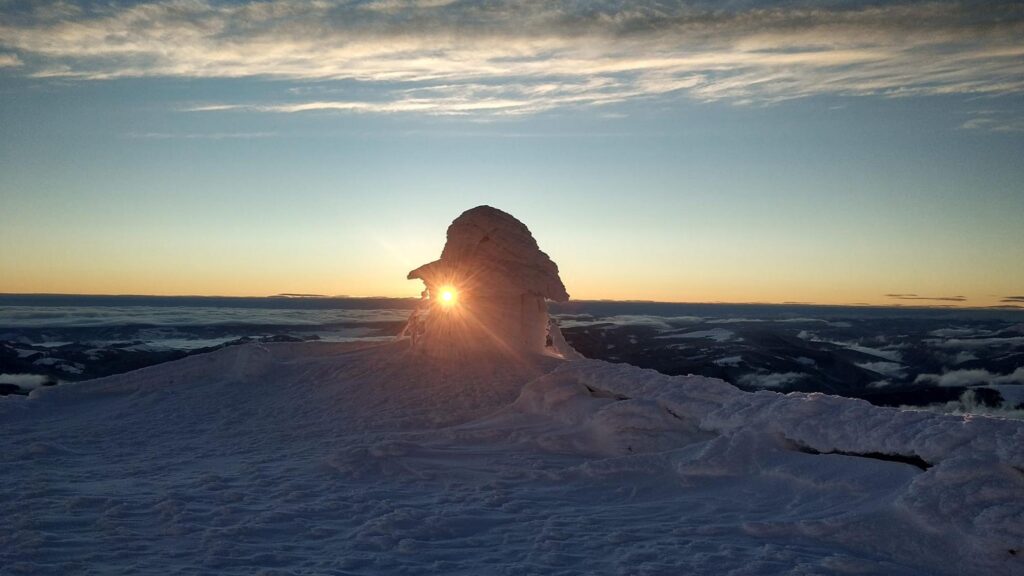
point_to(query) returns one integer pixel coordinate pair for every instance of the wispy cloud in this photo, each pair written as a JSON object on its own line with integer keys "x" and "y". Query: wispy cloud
{"x": 1012, "y": 299}
{"x": 9, "y": 61}
{"x": 525, "y": 56}
{"x": 993, "y": 121}
{"x": 199, "y": 135}
{"x": 931, "y": 298}
{"x": 510, "y": 98}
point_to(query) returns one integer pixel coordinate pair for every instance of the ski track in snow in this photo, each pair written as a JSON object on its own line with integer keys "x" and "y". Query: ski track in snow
{"x": 320, "y": 458}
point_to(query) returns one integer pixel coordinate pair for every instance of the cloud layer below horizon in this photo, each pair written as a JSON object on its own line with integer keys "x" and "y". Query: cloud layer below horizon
{"x": 445, "y": 57}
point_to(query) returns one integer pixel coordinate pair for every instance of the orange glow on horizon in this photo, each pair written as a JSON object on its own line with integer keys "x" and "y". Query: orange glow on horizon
{"x": 693, "y": 284}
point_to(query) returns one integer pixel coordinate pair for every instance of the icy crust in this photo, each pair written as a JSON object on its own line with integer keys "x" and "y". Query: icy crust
{"x": 485, "y": 241}
{"x": 969, "y": 486}
{"x": 369, "y": 459}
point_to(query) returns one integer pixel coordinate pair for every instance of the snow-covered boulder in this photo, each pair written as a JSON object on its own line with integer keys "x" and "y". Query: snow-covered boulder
{"x": 488, "y": 291}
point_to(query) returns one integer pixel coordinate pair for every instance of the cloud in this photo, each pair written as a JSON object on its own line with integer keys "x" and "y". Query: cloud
{"x": 776, "y": 380}
{"x": 1011, "y": 299}
{"x": 976, "y": 343}
{"x": 510, "y": 57}
{"x": 660, "y": 323}
{"x": 932, "y": 298}
{"x": 509, "y": 98}
{"x": 971, "y": 378}
{"x": 9, "y": 61}
{"x": 729, "y": 361}
{"x": 88, "y": 316}
{"x": 991, "y": 121}
{"x": 890, "y": 353}
{"x": 964, "y": 356}
{"x": 780, "y": 320}
{"x": 199, "y": 135}
{"x": 959, "y": 332}
{"x": 716, "y": 334}
{"x": 890, "y": 369}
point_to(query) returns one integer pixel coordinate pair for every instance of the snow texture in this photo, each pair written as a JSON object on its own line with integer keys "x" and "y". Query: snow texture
{"x": 344, "y": 458}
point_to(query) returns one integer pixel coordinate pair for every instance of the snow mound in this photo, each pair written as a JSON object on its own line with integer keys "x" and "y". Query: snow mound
{"x": 373, "y": 459}
{"x": 971, "y": 470}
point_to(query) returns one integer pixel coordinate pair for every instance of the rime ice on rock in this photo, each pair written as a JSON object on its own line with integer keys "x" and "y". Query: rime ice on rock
{"x": 488, "y": 289}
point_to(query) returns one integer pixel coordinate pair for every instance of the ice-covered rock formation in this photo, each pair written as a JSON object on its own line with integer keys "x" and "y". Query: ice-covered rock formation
{"x": 488, "y": 290}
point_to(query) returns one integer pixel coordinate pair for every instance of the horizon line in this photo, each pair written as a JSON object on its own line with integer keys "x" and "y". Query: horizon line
{"x": 296, "y": 296}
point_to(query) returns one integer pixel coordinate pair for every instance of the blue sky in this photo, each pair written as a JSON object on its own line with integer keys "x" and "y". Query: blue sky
{"x": 832, "y": 152}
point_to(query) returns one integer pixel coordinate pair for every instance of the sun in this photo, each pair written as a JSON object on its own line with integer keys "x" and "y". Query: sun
{"x": 448, "y": 297}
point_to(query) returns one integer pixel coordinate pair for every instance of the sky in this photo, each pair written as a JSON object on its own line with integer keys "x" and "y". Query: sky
{"x": 834, "y": 152}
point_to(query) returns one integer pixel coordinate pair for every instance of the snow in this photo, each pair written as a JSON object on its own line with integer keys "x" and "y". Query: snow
{"x": 559, "y": 347}
{"x": 488, "y": 291}
{"x": 487, "y": 245}
{"x": 24, "y": 380}
{"x": 345, "y": 458}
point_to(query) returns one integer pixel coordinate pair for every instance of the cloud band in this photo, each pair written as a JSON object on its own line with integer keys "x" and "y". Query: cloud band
{"x": 518, "y": 57}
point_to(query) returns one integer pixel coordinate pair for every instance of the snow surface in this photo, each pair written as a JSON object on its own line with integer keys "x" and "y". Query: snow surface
{"x": 344, "y": 458}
